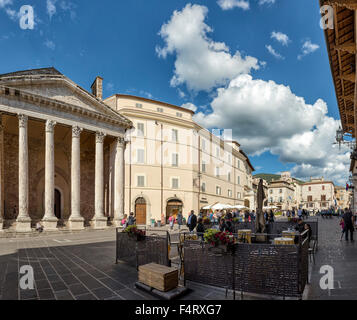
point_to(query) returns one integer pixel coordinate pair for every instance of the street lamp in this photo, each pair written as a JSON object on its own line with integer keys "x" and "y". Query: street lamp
{"x": 340, "y": 140}
{"x": 339, "y": 136}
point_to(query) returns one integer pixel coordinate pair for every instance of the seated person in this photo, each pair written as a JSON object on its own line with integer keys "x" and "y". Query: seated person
{"x": 300, "y": 226}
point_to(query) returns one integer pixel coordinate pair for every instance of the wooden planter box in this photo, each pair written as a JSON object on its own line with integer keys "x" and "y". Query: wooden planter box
{"x": 158, "y": 276}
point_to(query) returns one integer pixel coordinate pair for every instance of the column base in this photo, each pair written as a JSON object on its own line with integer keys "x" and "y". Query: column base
{"x": 76, "y": 224}
{"x": 99, "y": 223}
{"x": 23, "y": 225}
{"x": 50, "y": 224}
{"x": 1, "y": 225}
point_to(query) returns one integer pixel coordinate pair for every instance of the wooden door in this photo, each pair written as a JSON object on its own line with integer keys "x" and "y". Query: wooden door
{"x": 140, "y": 211}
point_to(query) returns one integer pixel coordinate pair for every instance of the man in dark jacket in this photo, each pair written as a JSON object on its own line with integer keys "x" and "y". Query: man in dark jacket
{"x": 349, "y": 222}
{"x": 300, "y": 226}
{"x": 192, "y": 221}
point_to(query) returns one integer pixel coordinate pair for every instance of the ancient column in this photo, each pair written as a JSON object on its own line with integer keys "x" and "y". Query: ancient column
{"x": 1, "y": 173}
{"x": 23, "y": 222}
{"x": 50, "y": 220}
{"x": 119, "y": 181}
{"x": 76, "y": 221}
{"x": 100, "y": 221}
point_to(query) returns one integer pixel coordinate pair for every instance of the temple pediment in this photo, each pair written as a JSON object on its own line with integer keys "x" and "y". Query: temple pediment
{"x": 50, "y": 83}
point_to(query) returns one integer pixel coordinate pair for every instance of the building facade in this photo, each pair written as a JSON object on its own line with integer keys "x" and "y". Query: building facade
{"x": 318, "y": 194}
{"x": 343, "y": 198}
{"x": 174, "y": 165}
{"x": 61, "y": 153}
{"x": 281, "y": 195}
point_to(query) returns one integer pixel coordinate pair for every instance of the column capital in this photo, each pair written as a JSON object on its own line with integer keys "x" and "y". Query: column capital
{"x": 76, "y": 131}
{"x": 121, "y": 141}
{"x": 23, "y": 119}
{"x": 99, "y": 137}
{"x": 50, "y": 125}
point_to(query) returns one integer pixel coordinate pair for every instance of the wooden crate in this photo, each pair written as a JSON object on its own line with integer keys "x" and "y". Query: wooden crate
{"x": 159, "y": 277}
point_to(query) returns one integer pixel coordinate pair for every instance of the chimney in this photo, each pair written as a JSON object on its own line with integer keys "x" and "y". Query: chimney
{"x": 97, "y": 88}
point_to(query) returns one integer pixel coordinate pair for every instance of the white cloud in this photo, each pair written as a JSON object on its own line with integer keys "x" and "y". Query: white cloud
{"x": 67, "y": 6}
{"x": 12, "y": 14}
{"x": 4, "y": 3}
{"x": 50, "y": 44}
{"x": 109, "y": 86}
{"x": 146, "y": 94}
{"x": 231, "y": 4}
{"x": 261, "y": 2}
{"x": 307, "y": 48}
{"x": 266, "y": 116}
{"x": 51, "y": 8}
{"x": 189, "y": 106}
{"x": 273, "y": 52}
{"x": 280, "y": 37}
{"x": 201, "y": 63}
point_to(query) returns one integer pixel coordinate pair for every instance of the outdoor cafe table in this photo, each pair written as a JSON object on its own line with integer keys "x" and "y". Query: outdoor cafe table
{"x": 289, "y": 234}
{"x": 245, "y": 235}
{"x": 284, "y": 241}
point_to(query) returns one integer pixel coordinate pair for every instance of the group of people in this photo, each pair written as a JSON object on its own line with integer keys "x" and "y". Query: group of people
{"x": 347, "y": 224}
{"x": 128, "y": 221}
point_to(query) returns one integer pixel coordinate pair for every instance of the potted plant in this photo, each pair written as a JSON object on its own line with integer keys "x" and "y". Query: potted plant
{"x": 135, "y": 233}
{"x": 223, "y": 241}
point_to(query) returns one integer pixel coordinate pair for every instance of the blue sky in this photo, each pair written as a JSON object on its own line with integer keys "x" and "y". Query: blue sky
{"x": 120, "y": 41}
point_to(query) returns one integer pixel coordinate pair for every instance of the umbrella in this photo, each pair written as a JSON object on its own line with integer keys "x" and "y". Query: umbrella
{"x": 221, "y": 206}
{"x": 240, "y": 207}
{"x": 270, "y": 208}
{"x": 260, "y": 221}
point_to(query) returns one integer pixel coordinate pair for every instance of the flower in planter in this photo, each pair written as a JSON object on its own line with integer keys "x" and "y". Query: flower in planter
{"x": 134, "y": 231}
{"x": 216, "y": 238}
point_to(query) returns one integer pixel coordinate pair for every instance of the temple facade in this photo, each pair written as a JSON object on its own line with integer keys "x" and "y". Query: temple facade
{"x": 61, "y": 153}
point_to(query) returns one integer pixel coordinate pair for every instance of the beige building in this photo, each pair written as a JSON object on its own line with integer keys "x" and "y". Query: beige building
{"x": 281, "y": 193}
{"x": 61, "y": 153}
{"x": 173, "y": 164}
{"x": 318, "y": 194}
{"x": 343, "y": 197}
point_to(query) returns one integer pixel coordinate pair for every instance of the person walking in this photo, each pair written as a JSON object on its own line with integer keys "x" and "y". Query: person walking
{"x": 172, "y": 221}
{"x": 200, "y": 229}
{"x": 246, "y": 216}
{"x": 271, "y": 216}
{"x": 192, "y": 221}
{"x": 179, "y": 219}
{"x": 348, "y": 220}
{"x": 300, "y": 214}
{"x": 342, "y": 224}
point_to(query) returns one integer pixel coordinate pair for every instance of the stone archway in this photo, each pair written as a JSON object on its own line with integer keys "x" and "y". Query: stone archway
{"x": 174, "y": 206}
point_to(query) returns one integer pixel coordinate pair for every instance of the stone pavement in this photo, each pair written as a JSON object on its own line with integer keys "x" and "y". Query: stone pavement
{"x": 339, "y": 254}
{"x": 77, "y": 266}
{"x": 82, "y": 266}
